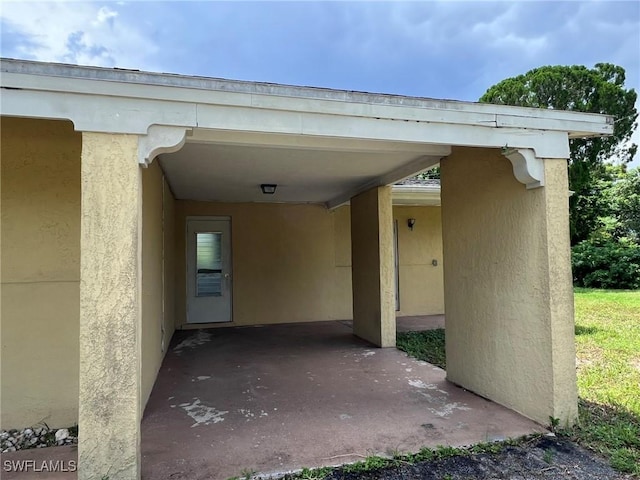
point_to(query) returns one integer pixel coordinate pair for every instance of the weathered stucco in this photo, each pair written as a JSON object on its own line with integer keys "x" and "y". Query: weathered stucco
{"x": 40, "y": 197}
{"x": 565, "y": 405}
{"x": 508, "y": 285}
{"x": 110, "y": 308}
{"x": 152, "y": 277}
{"x": 372, "y": 270}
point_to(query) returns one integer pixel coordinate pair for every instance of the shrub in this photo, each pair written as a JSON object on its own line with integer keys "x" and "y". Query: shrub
{"x": 606, "y": 263}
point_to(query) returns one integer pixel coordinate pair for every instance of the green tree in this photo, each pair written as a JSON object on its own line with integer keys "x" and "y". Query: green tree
{"x": 431, "y": 174}
{"x": 597, "y": 90}
{"x": 619, "y": 194}
{"x": 626, "y": 205}
{"x": 610, "y": 257}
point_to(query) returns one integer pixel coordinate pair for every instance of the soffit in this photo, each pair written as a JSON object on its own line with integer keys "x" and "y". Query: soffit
{"x": 223, "y": 172}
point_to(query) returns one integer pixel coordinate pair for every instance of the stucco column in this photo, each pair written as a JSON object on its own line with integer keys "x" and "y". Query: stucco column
{"x": 374, "y": 316}
{"x": 110, "y": 311}
{"x": 508, "y": 290}
{"x": 561, "y": 313}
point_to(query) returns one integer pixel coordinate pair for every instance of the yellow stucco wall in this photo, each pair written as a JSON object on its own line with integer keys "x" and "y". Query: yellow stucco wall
{"x": 169, "y": 255}
{"x": 421, "y": 282}
{"x": 40, "y": 199}
{"x": 283, "y": 257}
{"x": 292, "y": 263}
{"x": 343, "y": 296}
{"x": 373, "y": 281}
{"x": 502, "y": 304}
{"x": 40, "y": 271}
{"x": 155, "y": 334}
{"x": 158, "y": 285}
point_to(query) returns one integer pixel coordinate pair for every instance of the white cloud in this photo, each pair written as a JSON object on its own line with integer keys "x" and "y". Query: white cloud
{"x": 85, "y": 33}
{"x": 104, "y": 14}
{"x": 443, "y": 25}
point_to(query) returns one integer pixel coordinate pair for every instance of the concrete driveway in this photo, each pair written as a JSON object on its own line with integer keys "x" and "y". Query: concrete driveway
{"x": 275, "y": 398}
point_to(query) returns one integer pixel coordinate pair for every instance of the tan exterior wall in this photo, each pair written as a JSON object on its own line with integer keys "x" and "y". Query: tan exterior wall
{"x": 152, "y": 288}
{"x": 158, "y": 284}
{"x": 421, "y": 282}
{"x": 508, "y": 315}
{"x": 169, "y": 274}
{"x": 40, "y": 199}
{"x": 372, "y": 272}
{"x": 283, "y": 262}
{"x": 343, "y": 306}
{"x": 292, "y": 263}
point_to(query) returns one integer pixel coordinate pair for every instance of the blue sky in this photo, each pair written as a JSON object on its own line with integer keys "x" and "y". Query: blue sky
{"x": 426, "y": 48}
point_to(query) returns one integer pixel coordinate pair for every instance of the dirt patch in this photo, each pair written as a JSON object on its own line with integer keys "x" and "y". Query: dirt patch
{"x": 542, "y": 458}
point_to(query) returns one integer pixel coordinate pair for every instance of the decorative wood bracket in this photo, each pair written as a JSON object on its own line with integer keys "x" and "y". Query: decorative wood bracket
{"x": 160, "y": 139}
{"x": 527, "y": 168}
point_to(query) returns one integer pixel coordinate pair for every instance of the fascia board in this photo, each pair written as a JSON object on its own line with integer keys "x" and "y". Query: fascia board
{"x": 304, "y": 99}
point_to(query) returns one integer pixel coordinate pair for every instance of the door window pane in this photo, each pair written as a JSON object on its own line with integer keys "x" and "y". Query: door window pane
{"x": 208, "y": 264}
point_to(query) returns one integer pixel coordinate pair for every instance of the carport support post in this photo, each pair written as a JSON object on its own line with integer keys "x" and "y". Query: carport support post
{"x": 508, "y": 286}
{"x": 372, "y": 270}
{"x": 110, "y": 310}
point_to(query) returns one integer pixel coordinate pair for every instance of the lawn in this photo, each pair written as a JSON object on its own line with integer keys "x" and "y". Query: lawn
{"x": 608, "y": 361}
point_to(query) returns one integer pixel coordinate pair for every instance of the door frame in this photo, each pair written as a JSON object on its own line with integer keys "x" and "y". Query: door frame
{"x": 206, "y": 218}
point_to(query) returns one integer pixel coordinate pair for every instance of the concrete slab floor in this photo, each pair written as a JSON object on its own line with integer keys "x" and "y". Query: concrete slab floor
{"x": 51, "y": 463}
{"x": 275, "y": 398}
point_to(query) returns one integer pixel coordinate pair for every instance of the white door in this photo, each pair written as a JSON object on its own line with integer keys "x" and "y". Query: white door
{"x": 209, "y": 276}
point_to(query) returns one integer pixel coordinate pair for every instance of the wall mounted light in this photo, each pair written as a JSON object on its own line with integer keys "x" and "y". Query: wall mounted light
{"x": 410, "y": 223}
{"x": 268, "y": 188}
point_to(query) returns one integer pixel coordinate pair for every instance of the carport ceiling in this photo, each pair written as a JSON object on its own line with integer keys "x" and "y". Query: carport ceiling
{"x": 231, "y": 168}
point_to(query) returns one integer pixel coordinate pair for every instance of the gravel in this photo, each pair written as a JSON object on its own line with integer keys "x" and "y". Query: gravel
{"x": 36, "y": 437}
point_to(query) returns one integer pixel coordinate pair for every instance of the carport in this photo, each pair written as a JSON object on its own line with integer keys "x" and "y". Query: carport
{"x": 276, "y": 398}
{"x": 158, "y": 150}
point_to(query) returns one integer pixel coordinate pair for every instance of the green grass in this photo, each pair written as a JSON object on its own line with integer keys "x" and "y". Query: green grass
{"x": 427, "y": 345}
{"x": 375, "y": 462}
{"x": 608, "y": 360}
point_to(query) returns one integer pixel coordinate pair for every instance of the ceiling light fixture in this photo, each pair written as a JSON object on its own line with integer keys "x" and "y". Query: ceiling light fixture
{"x": 268, "y": 188}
